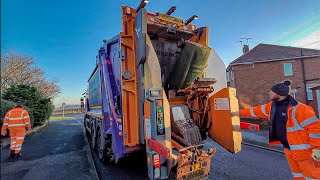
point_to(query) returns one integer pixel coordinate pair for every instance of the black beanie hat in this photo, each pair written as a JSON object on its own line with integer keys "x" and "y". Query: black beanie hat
{"x": 19, "y": 104}
{"x": 282, "y": 88}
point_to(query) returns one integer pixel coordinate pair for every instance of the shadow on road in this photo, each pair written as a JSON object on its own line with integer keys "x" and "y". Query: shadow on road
{"x": 134, "y": 166}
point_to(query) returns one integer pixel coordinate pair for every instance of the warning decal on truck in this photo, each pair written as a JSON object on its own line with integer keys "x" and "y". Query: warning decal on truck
{"x": 221, "y": 104}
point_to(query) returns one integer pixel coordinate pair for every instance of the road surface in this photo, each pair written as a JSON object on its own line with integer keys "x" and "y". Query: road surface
{"x": 58, "y": 151}
{"x": 61, "y": 152}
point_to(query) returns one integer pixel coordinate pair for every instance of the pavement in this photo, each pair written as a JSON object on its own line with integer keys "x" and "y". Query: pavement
{"x": 58, "y": 151}
{"x": 259, "y": 138}
{"x": 5, "y": 141}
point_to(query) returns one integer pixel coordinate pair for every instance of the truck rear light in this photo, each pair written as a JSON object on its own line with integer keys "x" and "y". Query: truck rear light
{"x": 149, "y": 159}
{"x": 159, "y": 102}
{"x": 156, "y": 161}
{"x": 156, "y": 164}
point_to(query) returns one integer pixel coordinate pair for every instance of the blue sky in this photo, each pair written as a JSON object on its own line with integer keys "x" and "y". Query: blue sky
{"x": 64, "y": 36}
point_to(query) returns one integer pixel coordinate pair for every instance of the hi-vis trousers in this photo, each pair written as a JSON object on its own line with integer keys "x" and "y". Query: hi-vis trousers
{"x": 304, "y": 169}
{"x": 17, "y": 137}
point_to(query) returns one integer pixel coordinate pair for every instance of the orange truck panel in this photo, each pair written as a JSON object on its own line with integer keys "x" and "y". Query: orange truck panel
{"x": 225, "y": 129}
{"x": 129, "y": 89}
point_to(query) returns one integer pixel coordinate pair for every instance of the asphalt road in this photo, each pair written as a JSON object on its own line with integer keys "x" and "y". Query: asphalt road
{"x": 250, "y": 163}
{"x": 59, "y": 151}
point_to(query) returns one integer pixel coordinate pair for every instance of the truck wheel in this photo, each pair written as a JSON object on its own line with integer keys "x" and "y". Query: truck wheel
{"x": 108, "y": 152}
{"x": 85, "y": 126}
{"x": 181, "y": 43}
{"x": 173, "y": 174}
{"x": 93, "y": 140}
{"x": 101, "y": 151}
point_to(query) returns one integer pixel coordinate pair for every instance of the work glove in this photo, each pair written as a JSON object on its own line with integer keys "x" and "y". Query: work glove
{"x": 3, "y": 133}
{"x": 316, "y": 157}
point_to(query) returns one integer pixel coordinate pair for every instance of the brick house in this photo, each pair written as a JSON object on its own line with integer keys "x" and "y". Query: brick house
{"x": 253, "y": 73}
{"x": 315, "y": 103}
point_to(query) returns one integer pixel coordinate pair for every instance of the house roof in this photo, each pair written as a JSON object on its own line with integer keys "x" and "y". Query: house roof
{"x": 269, "y": 52}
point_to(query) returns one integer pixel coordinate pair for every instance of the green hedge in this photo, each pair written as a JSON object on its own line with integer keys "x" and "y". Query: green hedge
{"x": 39, "y": 108}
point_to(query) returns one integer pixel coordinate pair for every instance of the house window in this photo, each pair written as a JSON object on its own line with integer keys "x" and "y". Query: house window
{"x": 309, "y": 93}
{"x": 293, "y": 93}
{"x": 230, "y": 76}
{"x": 287, "y": 69}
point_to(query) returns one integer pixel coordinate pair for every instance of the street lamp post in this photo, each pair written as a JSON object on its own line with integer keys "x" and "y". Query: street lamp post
{"x": 63, "y": 104}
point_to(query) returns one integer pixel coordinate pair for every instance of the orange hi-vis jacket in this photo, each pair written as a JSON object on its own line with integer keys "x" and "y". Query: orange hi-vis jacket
{"x": 16, "y": 118}
{"x": 303, "y": 127}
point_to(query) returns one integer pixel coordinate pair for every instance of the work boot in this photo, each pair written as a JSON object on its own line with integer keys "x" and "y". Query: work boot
{"x": 12, "y": 154}
{"x": 18, "y": 155}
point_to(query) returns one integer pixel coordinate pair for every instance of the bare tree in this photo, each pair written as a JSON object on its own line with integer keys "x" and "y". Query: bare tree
{"x": 20, "y": 69}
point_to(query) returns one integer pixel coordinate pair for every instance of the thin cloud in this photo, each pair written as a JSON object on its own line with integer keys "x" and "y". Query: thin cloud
{"x": 311, "y": 41}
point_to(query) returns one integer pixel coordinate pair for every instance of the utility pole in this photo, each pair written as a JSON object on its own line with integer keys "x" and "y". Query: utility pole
{"x": 63, "y": 104}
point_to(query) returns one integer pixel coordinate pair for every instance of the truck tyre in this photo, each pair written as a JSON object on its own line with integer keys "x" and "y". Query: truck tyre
{"x": 108, "y": 152}
{"x": 173, "y": 174}
{"x": 85, "y": 126}
{"x": 181, "y": 43}
{"x": 93, "y": 140}
{"x": 101, "y": 149}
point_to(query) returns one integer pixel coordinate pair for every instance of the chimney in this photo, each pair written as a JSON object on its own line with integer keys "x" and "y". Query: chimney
{"x": 245, "y": 48}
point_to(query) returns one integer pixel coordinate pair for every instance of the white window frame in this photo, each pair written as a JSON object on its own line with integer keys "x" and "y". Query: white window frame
{"x": 228, "y": 76}
{"x": 308, "y": 90}
{"x": 294, "y": 92}
{"x": 284, "y": 69}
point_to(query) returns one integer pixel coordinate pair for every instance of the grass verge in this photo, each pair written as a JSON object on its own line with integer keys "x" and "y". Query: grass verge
{"x": 56, "y": 118}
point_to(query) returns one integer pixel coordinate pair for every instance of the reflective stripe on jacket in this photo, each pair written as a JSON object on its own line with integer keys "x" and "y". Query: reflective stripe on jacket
{"x": 303, "y": 127}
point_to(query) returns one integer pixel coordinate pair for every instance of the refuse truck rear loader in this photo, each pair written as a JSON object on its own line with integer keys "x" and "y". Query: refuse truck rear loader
{"x": 158, "y": 87}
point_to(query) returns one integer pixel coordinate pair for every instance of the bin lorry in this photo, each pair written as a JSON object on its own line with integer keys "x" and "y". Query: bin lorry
{"x": 158, "y": 87}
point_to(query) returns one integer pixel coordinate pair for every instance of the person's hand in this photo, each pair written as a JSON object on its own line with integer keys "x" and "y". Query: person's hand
{"x": 316, "y": 157}
{"x": 28, "y": 129}
{"x": 316, "y": 163}
{"x": 3, "y": 133}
